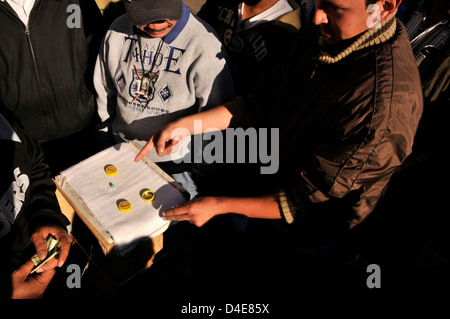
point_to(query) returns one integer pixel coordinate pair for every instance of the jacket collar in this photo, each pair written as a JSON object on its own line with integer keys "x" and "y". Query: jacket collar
{"x": 7, "y": 132}
{"x": 173, "y": 34}
{"x": 292, "y": 17}
{"x": 371, "y": 37}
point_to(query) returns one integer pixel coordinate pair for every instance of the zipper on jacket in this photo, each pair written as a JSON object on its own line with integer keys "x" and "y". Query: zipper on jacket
{"x": 27, "y": 33}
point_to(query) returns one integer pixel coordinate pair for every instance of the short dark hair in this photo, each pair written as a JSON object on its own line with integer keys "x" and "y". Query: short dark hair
{"x": 370, "y": 2}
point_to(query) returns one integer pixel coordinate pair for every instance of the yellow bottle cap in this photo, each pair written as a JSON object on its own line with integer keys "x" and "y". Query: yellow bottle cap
{"x": 148, "y": 195}
{"x": 124, "y": 206}
{"x": 111, "y": 170}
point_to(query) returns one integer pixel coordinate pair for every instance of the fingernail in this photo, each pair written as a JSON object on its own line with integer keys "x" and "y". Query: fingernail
{"x": 39, "y": 270}
{"x": 159, "y": 150}
{"x": 41, "y": 255}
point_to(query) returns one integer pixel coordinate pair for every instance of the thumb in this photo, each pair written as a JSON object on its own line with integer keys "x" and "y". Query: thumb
{"x": 41, "y": 247}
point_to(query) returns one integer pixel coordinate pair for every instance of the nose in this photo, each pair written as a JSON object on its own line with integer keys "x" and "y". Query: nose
{"x": 320, "y": 17}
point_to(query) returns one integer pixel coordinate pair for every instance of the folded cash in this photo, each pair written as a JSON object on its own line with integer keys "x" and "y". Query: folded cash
{"x": 52, "y": 251}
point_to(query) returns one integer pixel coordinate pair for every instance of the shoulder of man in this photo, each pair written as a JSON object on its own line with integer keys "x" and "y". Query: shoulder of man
{"x": 292, "y": 19}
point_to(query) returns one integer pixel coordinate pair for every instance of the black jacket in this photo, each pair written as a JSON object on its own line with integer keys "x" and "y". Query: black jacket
{"x": 27, "y": 197}
{"x": 43, "y": 66}
{"x": 252, "y": 51}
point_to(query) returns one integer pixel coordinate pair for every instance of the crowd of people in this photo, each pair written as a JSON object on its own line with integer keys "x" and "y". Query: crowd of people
{"x": 356, "y": 89}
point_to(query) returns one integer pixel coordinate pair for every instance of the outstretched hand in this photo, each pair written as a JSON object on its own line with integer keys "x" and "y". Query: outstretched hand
{"x": 165, "y": 141}
{"x": 197, "y": 211}
{"x": 169, "y": 137}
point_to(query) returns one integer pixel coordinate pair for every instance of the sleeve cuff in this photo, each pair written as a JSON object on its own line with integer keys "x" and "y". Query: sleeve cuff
{"x": 287, "y": 207}
{"x": 49, "y": 219}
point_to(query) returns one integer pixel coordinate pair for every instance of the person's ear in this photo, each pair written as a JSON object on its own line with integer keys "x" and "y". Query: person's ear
{"x": 388, "y": 7}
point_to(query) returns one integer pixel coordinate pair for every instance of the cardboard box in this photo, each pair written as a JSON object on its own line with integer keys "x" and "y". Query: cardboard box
{"x": 98, "y": 244}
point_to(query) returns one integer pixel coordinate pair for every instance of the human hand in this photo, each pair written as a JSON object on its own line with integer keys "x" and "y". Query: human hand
{"x": 166, "y": 140}
{"x": 197, "y": 211}
{"x": 33, "y": 286}
{"x": 38, "y": 239}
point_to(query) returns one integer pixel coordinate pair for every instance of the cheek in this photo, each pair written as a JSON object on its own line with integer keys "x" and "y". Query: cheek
{"x": 170, "y": 28}
{"x": 351, "y": 27}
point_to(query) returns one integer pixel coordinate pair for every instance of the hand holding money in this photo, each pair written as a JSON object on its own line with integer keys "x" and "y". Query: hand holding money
{"x": 39, "y": 239}
{"x": 52, "y": 251}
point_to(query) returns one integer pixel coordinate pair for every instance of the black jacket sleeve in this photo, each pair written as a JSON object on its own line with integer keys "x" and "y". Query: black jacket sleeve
{"x": 94, "y": 26}
{"x": 43, "y": 206}
{"x": 23, "y": 166}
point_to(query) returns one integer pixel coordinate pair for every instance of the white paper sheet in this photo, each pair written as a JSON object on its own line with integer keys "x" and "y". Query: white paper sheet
{"x": 89, "y": 179}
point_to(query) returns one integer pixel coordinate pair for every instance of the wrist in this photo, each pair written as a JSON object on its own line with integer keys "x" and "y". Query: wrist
{"x": 221, "y": 206}
{"x": 179, "y": 130}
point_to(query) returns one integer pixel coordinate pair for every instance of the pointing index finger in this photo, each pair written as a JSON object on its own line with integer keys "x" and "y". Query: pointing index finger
{"x": 145, "y": 150}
